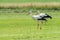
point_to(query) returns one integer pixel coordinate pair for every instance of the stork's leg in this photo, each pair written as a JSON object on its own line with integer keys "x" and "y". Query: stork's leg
{"x": 37, "y": 24}
{"x": 45, "y": 21}
{"x": 40, "y": 28}
{"x": 41, "y": 24}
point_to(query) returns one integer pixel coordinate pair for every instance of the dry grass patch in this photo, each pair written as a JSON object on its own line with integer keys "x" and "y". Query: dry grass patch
{"x": 34, "y": 5}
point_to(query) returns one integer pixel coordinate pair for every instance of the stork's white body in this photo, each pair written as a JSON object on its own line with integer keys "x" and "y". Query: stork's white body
{"x": 42, "y": 14}
{"x": 38, "y": 16}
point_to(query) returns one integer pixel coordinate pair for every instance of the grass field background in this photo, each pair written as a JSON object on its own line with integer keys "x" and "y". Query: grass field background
{"x": 18, "y": 1}
{"x": 16, "y": 26}
{"x": 20, "y": 26}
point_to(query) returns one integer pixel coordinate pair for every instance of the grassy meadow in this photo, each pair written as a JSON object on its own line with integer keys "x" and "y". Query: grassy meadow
{"x": 16, "y": 26}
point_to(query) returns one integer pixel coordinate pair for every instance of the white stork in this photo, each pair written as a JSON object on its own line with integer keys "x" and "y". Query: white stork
{"x": 39, "y": 16}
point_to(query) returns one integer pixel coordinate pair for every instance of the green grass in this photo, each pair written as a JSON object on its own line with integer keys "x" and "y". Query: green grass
{"x": 23, "y": 27}
{"x": 18, "y": 1}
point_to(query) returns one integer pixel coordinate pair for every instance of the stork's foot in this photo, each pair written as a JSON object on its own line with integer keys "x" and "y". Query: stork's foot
{"x": 40, "y": 28}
